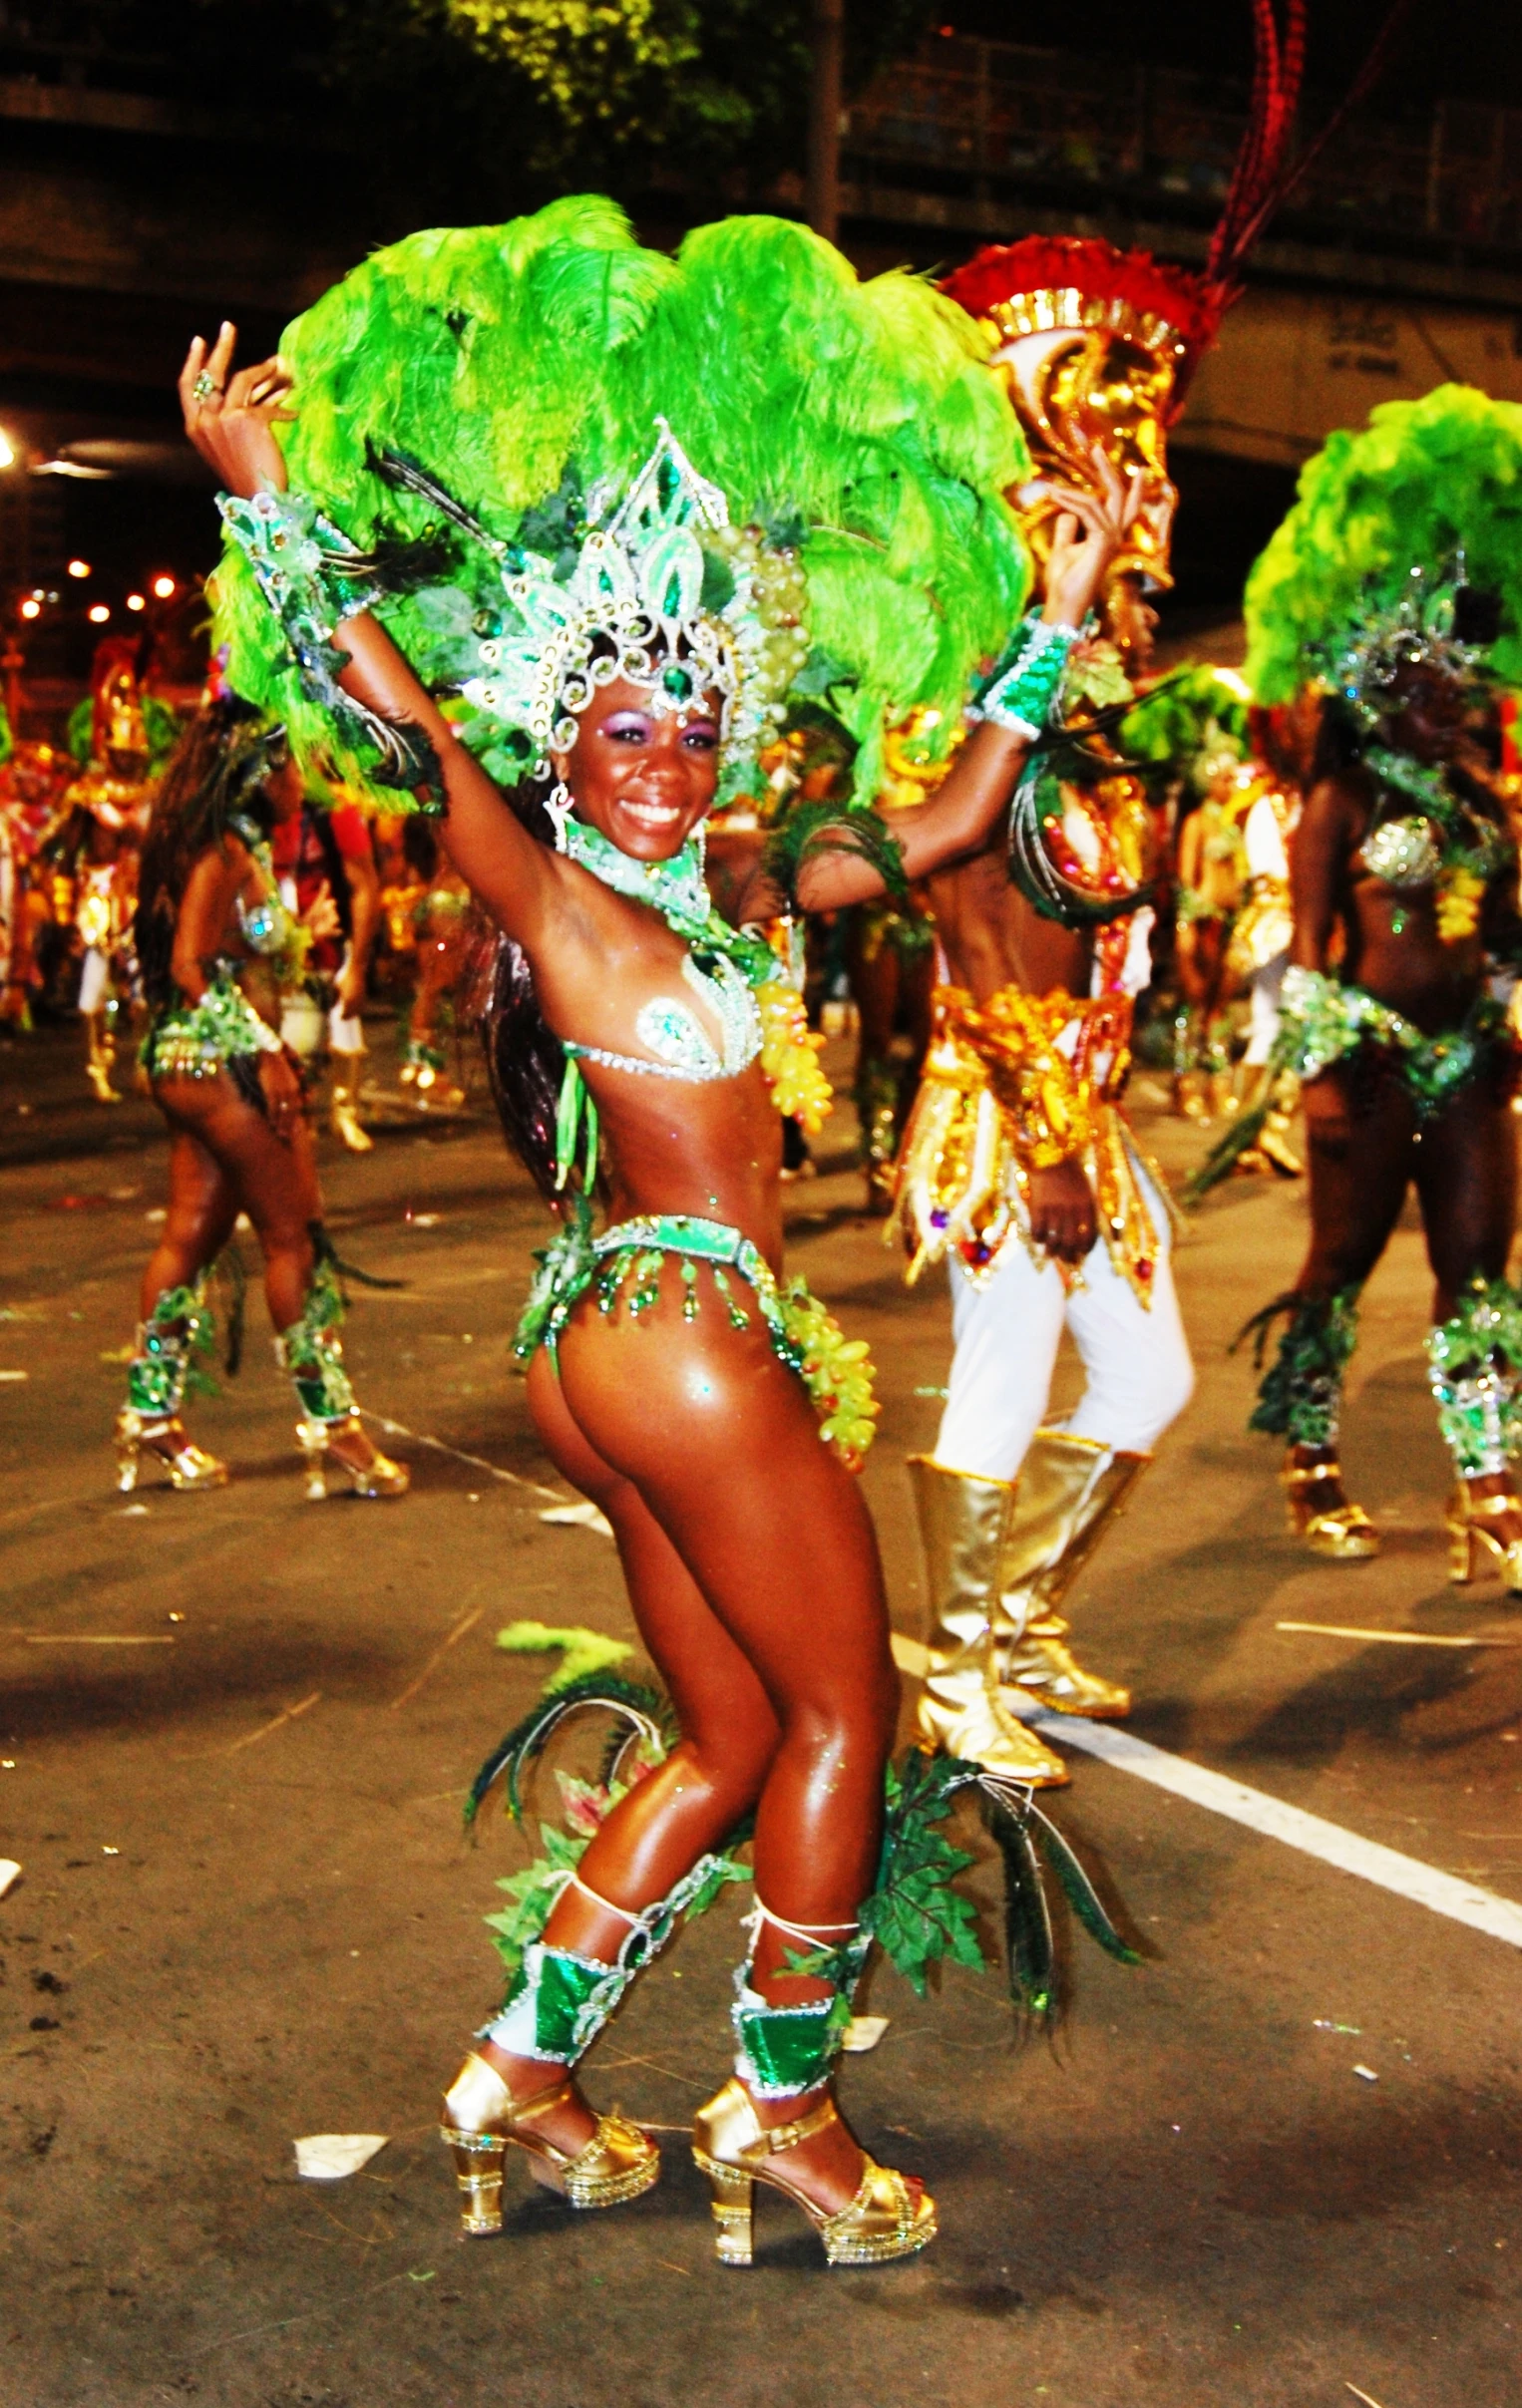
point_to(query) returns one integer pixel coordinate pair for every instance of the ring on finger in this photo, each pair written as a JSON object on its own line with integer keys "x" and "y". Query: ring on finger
{"x": 205, "y": 386}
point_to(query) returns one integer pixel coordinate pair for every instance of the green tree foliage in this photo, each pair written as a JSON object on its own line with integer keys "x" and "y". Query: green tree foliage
{"x": 470, "y": 111}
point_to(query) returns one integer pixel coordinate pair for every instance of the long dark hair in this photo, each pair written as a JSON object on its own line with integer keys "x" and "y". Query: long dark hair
{"x": 524, "y": 1062}
{"x": 216, "y": 770}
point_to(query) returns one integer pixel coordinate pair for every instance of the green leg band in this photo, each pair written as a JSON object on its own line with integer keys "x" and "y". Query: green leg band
{"x": 311, "y": 1350}
{"x": 1475, "y": 1368}
{"x": 557, "y": 2004}
{"x": 783, "y": 2051}
{"x": 557, "y": 2001}
{"x": 1300, "y": 1396}
{"x": 179, "y": 1330}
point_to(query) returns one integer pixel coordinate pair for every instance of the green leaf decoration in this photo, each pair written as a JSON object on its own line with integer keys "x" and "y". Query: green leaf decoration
{"x": 583, "y": 1651}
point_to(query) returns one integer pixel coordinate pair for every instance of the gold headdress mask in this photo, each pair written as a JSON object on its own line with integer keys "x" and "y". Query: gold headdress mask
{"x": 1092, "y": 345}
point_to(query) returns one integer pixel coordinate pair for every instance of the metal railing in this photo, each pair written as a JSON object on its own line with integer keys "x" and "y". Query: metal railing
{"x": 996, "y": 115}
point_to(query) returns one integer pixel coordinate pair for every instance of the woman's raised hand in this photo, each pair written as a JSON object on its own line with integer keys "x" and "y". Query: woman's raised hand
{"x": 230, "y": 419}
{"x": 1090, "y": 529}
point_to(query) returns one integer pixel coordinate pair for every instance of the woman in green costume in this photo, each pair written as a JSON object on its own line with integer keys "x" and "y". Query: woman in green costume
{"x": 218, "y": 948}
{"x": 620, "y": 514}
{"x": 1393, "y": 586}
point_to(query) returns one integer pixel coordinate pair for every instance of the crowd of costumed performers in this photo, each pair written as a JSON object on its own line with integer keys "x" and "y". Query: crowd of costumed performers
{"x": 1383, "y": 619}
{"x": 492, "y": 545}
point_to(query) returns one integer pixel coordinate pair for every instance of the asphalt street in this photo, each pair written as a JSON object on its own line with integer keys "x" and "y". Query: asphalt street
{"x": 1276, "y": 2165}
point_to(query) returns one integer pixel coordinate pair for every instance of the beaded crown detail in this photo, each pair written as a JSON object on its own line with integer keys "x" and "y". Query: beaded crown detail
{"x": 1362, "y": 659}
{"x": 665, "y": 593}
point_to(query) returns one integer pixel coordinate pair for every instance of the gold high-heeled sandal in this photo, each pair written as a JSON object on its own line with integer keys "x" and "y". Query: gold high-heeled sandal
{"x": 162, "y": 1438}
{"x": 483, "y": 2122}
{"x": 887, "y": 2219}
{"x": 1344, "y": 1534}
{"x": 378, "y": 1478}
{"x": 1469, "y": 1539}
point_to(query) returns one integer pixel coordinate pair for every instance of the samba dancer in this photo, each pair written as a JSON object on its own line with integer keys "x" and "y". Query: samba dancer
{"x": 647, "y": 612}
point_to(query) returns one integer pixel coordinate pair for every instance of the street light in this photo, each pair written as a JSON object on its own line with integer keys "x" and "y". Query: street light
{"x": 78, "y": 568}
{"x": 98, "y": 613}
{"x": 31, "y": 608}
{"x": 134, "y": 601}
{"x": 7, "y": 451}
{"x": 163, "y": 587}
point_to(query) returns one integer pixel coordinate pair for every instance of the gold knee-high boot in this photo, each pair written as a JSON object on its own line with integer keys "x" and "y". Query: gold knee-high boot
{"x": 1068, "y": 1491}
{"x": 345, "y": 1107}
{"x": 100, "y": 1056}
{"x": 964, "y": 1521}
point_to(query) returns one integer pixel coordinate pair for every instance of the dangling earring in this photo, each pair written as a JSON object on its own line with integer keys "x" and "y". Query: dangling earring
{"x": 559, "y": 805}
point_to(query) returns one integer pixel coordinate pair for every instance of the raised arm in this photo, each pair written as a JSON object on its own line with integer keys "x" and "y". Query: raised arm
{"x": 962, "y": 815}
{"x": 231, "y": 418}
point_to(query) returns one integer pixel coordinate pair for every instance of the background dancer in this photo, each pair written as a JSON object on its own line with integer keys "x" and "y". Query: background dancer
{"x": 1051, "y": 1217}
{"x": 324, "y": 856}
{"x": 635, "y": 674}
{"x": 219, "y": 946}
{"x": 1393, "y": 588}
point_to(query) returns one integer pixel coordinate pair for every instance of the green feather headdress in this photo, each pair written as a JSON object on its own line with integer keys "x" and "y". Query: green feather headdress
{"x": 500, "y": 390}
{"x": 1424, "y": 484}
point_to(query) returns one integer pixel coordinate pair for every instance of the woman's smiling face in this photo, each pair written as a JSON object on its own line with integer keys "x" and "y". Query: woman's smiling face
{"x": 644, "y": 778}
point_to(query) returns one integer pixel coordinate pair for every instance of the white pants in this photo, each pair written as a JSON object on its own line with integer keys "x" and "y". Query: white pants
{"x": 93, "y": 980}
{"x": 1139, "y": 1376}
{"x": 1264, "y": 991}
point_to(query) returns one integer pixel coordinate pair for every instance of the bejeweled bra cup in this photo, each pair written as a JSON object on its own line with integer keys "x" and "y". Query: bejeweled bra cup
{"x": 676, "y": 1037}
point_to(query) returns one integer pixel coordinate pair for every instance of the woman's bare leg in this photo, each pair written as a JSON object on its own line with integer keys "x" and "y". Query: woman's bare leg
{"x": 203, "y": 1204}
{"x": 721, "y": 1446}
{"x": 755, "y": 1580}
{"x": 1360, "y": 1169}
{"x": 274, "y": 1182}
{"x": 1466, "y": 1177}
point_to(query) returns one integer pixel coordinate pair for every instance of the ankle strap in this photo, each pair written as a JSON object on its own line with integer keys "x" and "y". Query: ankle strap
{"x": 804, "y": 2128}
{"x": 1479, "y": 1509}
{"x": 1307, "y": 1475}
{"x": 542, "y": 2102}
{"x": 811, "y": 1934}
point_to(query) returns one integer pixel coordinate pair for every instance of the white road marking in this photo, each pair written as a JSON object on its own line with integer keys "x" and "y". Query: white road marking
{"x": 419, "y": 1438}
{"x": 1423, "y": 1884}
{"x": 1400, "y": 1638}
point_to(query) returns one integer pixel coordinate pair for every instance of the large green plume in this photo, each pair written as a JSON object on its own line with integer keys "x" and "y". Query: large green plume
{"x": 1422, "y": 480}
{"x": 856, "y": 419}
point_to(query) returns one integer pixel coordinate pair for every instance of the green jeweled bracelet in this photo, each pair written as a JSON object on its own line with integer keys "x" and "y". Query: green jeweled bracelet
{"x": 1025, "y": 695}
{"x": 313, "y": 578}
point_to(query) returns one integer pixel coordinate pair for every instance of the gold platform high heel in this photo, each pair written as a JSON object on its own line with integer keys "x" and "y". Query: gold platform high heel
{"x": 1469, "y": 1541}
{"x": 887, "y": 2219}
{"x": 162, "y": 1438}
{"x": 378, "y": 1478}
{"x": 482, "y": 2121}
{"x": 1344, "y": 1534}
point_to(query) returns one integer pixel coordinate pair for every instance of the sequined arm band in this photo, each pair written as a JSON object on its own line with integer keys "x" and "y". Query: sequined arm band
{"x": 313, "y": 578}
{"x": 1025, "y": 693}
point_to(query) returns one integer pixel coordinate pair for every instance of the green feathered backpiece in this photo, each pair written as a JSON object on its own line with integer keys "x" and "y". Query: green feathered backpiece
{"x": 516, "y": 364}
{"x": 1187, "y": 716}
{"x": 1421, "y": 480}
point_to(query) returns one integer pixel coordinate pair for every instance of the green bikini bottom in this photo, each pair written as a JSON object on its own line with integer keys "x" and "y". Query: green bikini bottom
{"x": 625, "y": 1265}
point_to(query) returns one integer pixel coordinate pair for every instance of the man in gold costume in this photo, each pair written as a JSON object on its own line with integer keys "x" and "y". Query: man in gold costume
{"x": 1018, "y": 1167}
{"x": 107, "y": 812}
